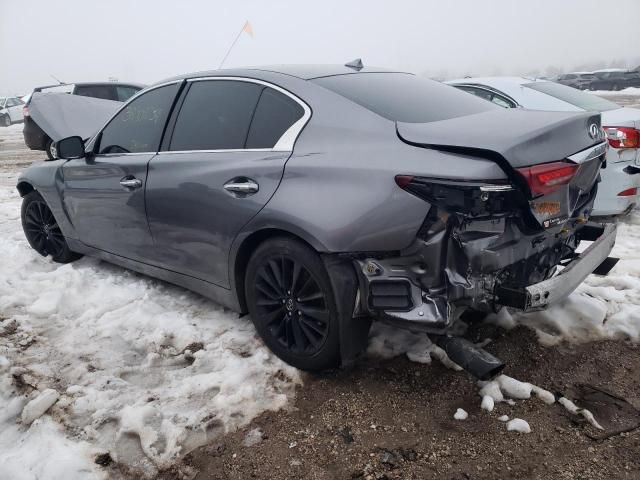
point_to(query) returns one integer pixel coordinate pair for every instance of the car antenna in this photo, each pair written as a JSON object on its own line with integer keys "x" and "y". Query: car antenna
{"x": 355, "y": 64}
{"x": 57, "y": 80}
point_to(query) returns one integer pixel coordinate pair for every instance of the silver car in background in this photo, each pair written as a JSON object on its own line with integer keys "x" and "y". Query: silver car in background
{"x": 618, "y": 190}
{"x": 317, "y": 198}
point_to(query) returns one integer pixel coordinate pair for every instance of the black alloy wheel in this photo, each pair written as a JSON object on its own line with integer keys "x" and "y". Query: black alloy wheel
{"x": 292, "y": 305}
{"x": 42, "y": 230}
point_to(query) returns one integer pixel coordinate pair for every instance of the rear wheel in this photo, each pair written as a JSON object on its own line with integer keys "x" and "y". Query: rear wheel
{"x": 292, "y": 305}
{"x": 50, "y": 149}
{"x": 42, "y": 230}
{"x": 5, "y": 121}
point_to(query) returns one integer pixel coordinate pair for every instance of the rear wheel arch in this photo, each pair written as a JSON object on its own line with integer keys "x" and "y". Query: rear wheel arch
{"x": 247, "y": 247}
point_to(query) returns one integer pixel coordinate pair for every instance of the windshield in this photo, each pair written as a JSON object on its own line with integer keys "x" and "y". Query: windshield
{"x": 575, "y": 97}
{"x": 403, "y": 97}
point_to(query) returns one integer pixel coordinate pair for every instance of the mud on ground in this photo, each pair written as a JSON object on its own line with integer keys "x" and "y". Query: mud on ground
{"x": 394, "y": 420}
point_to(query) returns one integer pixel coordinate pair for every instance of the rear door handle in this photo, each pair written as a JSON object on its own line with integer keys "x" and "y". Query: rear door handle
{"x": 244, "y": 186}
{"x": 131, "y": 183}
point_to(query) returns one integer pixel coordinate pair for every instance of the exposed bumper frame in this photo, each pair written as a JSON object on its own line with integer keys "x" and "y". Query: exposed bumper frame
{"x": 543, "y": 294}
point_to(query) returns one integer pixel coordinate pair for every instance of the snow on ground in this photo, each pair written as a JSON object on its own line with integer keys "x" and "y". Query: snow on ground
{"x": 602, "y": 307}
{"x": 143, "y": 370}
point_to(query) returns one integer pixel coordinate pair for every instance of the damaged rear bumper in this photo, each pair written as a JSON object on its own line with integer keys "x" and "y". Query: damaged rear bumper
{"x": 394, "y": 289}
{"x": 543, "y": 294}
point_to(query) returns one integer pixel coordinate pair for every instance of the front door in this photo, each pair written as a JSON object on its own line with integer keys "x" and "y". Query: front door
{"x": 104, "y": 194}
{"x": 222, "y": 165}
{"x": 104, "y": 198}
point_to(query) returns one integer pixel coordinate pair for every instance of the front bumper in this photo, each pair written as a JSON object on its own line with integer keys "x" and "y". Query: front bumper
{"x": 543, "y": 294}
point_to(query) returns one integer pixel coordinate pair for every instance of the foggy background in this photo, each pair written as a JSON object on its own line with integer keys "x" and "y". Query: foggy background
{"x": 147, "y": 40}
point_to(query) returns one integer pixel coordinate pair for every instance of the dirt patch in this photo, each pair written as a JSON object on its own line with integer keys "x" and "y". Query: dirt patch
{"x": 394, "y": 419}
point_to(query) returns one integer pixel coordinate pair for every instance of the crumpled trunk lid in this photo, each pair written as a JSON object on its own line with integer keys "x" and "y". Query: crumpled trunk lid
{"x": 520, "y": 137}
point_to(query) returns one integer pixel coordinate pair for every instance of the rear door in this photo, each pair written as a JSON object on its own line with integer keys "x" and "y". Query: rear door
{"x": 104, "y": 193}
{"x": 223, "y": 162}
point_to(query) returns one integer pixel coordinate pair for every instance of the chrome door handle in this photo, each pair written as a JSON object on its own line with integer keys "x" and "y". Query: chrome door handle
{"x": 245, "y": 187}
{"x": 131, "y": 182}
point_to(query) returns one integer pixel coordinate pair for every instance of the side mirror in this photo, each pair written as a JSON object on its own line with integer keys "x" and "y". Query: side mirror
{"x": 70, "y": 148}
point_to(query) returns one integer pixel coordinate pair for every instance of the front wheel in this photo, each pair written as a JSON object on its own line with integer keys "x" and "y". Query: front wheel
{"x": 42, "y": 230}
{"x": 292, "y": 305}
{"x": 5, "y": 121}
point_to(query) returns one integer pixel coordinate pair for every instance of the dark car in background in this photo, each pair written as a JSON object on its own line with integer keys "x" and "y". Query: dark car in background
{"x": 37, "y": 139}
{"x": 614, "y": 79}
{"x": 579, "y": 80}
{"x": 318, "y": 198}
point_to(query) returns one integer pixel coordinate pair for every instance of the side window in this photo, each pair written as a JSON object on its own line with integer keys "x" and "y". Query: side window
{"x": 138, "y": 126}
{"x": 215, "y": 115}
{"x": 11, "y": 102}
{"x": 125, "y": 93}
{"x": 96, "y": 91}
{"x": 503, "y": 102}
{"x": 477, "y": 92}
{"x": 275, "y": 113}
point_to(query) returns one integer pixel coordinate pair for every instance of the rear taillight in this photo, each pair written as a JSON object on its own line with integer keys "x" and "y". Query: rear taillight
{"x": 623, "y": 137}
{"x": 25, "y": 111}
{"x": 473, "y": 198}
{"x": 629, "y": 192}
{"x": 548, "y": 177}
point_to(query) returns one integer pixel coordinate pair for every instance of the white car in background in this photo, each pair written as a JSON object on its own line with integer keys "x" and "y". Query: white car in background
{"x": 10, "y": 111}
{"x": 618, "y": 191}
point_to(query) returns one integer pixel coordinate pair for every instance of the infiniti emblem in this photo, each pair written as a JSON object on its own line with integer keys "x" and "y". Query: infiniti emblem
{"x": 594, "y": 130}
{"x": 289, "y": 304}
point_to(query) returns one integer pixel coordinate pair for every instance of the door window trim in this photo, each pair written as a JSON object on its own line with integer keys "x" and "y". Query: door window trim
{"x": 284, "y": 144}
{"x": 91, "y": 144}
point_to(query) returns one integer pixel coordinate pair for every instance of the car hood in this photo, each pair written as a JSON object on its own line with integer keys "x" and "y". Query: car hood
{"x": 621, "y": 117}
{"x": 519, "y": 137}
{"x": 62, "y": 115}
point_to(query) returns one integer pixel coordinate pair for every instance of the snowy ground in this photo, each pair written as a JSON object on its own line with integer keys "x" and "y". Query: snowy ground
{"x": 147, "y": 372}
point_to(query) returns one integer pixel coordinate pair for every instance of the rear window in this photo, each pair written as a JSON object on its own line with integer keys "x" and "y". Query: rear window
{"x": 105, "y": 92}
{"x": 403, "y": 97}
{"x": 580, "y": 99}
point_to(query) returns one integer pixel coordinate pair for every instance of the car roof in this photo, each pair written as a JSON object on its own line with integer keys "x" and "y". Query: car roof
{"x": 88, "y": 84}
{"x": 302, "y": 71}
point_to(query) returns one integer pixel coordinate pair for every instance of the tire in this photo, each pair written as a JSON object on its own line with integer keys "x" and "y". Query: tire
{"x": 292, "y": 306}
{"x": 48, "y": 147}
{"x": 615, "y": 87}
{"x": 42, "y": 230}
{"x": 5, "y": 121}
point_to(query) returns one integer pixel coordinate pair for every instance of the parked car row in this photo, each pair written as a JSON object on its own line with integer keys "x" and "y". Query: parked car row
{"x": 609, "y": 79}
{"x": 318, "y": 198}
{"x": 618, "y": 189}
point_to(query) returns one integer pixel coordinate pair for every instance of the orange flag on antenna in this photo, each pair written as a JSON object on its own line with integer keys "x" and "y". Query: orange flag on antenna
{"x": 248, "y": 28}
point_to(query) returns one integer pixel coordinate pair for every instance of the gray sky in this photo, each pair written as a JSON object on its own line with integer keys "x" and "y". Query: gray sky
{"x": 147, "y": 40}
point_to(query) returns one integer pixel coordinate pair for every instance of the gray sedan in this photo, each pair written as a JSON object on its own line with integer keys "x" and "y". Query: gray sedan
{"x": 318, "y": 198}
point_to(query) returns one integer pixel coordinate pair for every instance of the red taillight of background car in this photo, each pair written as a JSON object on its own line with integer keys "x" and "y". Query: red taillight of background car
{"x": 25, "y": 111}
{"x": 629, "y": 192}
{"x": 623, "y": 137}
{"x": 548, "y": 177}
{"x": 403, "y": 180}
